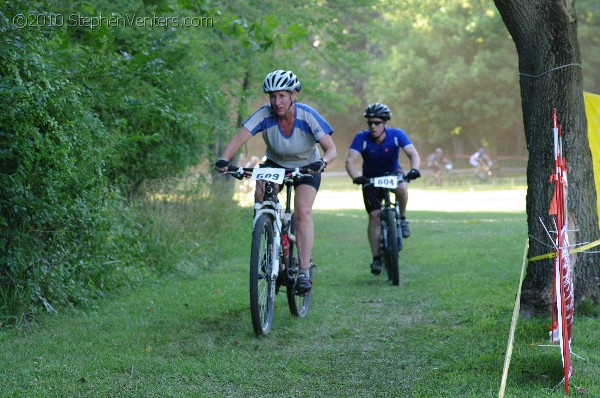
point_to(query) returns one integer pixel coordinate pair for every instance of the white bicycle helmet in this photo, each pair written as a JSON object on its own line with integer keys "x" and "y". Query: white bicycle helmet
{"x": 378, "y": 110}
{"x": 281, "y": 80}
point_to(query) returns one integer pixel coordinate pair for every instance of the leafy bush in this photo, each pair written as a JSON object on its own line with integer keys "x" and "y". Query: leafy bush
{"x": 86, "y": 117}
{"x": 63, "y": 228}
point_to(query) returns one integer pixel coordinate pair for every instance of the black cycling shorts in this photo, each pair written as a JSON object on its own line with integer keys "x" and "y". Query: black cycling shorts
{"x": 372, "y": 197}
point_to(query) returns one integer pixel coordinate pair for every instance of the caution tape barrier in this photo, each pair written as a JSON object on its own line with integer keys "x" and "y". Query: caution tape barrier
{"x": 574, "y": 250}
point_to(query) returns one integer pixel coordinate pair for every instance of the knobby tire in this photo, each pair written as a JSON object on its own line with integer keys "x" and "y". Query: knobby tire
{"x": 393, "y": 249}
{"x": 262, "y": 285}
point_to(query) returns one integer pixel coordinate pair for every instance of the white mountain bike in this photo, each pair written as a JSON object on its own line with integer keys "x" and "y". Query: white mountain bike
{"x": 273, "y": 263}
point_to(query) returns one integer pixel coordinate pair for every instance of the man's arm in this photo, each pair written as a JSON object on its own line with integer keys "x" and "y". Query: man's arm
{"x": 413, "y": 156}
{"x": 351, "y": 159}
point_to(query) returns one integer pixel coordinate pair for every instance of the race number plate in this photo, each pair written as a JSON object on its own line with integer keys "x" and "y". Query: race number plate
{"x": 390, "y": 182}
{"x": 268, "y": 174}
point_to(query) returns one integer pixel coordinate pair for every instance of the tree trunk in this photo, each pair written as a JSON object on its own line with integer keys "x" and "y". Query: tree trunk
{"x": 545, "y": 35}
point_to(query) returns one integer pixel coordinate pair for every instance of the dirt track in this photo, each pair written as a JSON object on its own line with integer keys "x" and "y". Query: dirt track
{"x": 501, "y": 201}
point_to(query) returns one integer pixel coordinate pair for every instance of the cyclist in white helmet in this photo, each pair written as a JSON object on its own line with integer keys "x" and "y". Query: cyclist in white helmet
{"x": 291, "y": 131}
{"x": 379, "y": 146}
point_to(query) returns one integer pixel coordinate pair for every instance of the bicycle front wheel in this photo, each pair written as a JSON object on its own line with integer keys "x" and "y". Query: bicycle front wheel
{"x": 298, "y": 304}
{"x": 262, "y": 285}
{"x": 392, "y": 247}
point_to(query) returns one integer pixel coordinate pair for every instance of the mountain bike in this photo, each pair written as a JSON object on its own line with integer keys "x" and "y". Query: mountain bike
{"x": 390, "y": 242}
{"x": 485, "y": 171}
{"x": 273, "y": 262}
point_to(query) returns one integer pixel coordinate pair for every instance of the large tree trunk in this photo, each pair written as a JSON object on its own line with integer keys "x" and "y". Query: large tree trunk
{"x": 545, "y": 35}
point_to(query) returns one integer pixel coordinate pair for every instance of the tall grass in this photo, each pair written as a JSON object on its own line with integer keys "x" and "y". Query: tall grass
{"x": 185, "y": 224}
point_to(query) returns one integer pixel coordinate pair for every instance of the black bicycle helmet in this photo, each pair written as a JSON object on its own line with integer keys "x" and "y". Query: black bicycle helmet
{"x": 378, "y": 110}
{"x": 281, "y": 80}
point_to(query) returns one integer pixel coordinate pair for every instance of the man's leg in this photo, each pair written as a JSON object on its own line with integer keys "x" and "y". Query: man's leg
{"x": 402, "y": 197}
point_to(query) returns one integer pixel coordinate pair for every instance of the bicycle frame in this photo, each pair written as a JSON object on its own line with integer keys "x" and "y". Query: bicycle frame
{"x": 271, "y": 205}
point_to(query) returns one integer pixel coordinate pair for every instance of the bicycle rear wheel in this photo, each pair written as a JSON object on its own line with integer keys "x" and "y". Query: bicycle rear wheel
{"x": 298, "y": 304}
{"x": 262, "y": 285}
{"x": 392, "y": 252}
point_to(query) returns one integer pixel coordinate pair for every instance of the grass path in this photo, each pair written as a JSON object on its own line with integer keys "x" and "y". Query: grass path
{"x": 441, "y": 333}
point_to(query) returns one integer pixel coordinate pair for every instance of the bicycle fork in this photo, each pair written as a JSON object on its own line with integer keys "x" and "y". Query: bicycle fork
{"x": 398, "y": 226}
{"x": 273, "y": 209}
{"x": 384, "y": 227}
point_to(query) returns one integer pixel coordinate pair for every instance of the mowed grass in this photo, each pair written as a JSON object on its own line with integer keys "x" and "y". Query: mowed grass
{"x": 442, "y": 333}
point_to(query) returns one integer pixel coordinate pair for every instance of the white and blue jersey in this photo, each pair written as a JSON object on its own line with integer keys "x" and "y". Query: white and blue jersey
{"x": 300, "y": 148}
{"x": 380, "y": 159}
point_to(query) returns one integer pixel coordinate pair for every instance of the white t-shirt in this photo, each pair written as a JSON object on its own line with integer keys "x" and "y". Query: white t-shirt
{"x": 300, "y": 148}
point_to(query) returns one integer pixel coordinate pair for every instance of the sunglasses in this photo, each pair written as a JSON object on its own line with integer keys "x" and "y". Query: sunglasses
{"x": 376, "y": 123}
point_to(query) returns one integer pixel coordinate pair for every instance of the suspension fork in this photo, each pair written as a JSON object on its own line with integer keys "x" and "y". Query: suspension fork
{"x": 387, "y": 205}
{"x": 281, "y": 222}
{"x": 273, "y": 208}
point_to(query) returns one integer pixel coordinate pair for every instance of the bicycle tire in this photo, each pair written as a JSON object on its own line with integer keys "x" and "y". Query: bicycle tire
{"x": 262, "y": 285}
{"x": 384, "y": 247}
{"x": 392, "y": 250}
{"x": 298, "y": 304}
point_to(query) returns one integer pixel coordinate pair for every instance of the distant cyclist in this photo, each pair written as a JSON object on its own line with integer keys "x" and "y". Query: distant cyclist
{"x": 380, "y": 147}
{"x": 481, "y": 163}
{"x": 291, "y": 131}
{"x": 438, "y": 163}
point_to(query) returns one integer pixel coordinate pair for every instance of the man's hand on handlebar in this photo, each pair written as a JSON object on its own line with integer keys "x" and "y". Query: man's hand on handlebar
{"x": 361, "y": 180}
{"x": 413, "y": 174}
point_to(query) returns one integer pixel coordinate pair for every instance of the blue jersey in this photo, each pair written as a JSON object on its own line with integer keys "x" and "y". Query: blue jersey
{"x": 380, "y": 159}
{"x": 300, "y": 148}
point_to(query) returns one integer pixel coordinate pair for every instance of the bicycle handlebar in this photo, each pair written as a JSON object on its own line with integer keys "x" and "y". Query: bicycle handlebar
{"x": 240, "y": 172}
{"x": 399, "y": 178}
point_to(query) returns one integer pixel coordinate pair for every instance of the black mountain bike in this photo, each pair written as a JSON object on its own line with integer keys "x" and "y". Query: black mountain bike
{"x": 273, "y": 263}
{"x": 390, "y": 242}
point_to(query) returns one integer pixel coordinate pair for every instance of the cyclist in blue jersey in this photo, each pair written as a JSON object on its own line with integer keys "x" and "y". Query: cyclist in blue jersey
{"x": 380, "y": 147}
{"x": 291, "y": 131}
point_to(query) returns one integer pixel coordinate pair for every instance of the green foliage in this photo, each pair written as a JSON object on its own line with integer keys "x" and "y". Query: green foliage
{"x": 588, "y": 308}
{"x": 61, "y": 229}
{"x": 588, "y": 22}
{"x": 455, "y": 55}
{"x": 141, "y": 85}
{"x": 89, "y": 113}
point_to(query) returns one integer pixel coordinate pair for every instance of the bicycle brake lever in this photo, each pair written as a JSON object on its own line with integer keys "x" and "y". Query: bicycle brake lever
{"x": 298, "y": 173}
{"x": 238, "y": 173}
